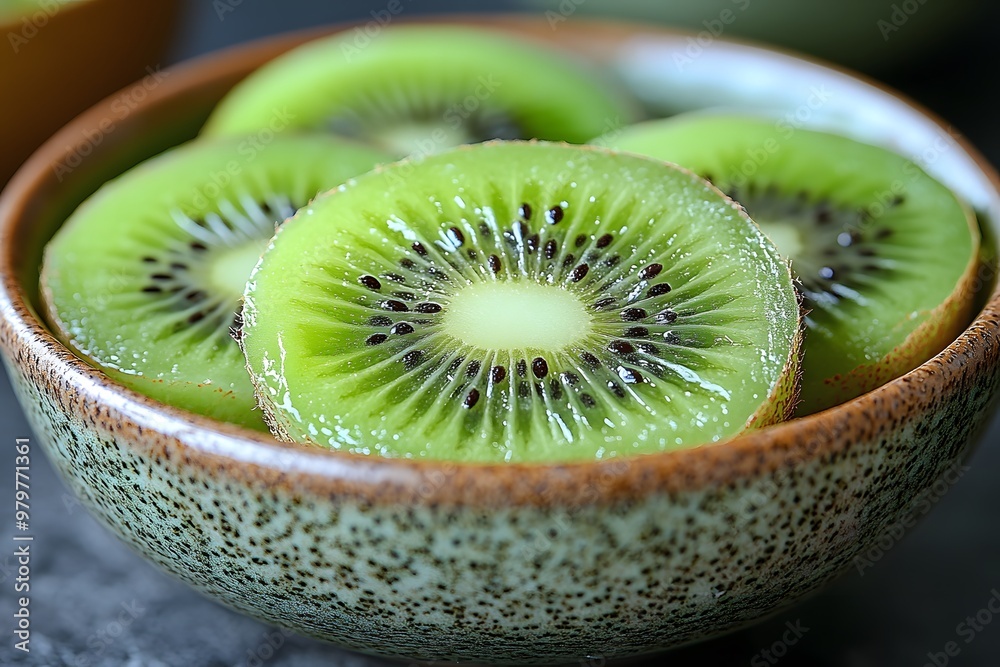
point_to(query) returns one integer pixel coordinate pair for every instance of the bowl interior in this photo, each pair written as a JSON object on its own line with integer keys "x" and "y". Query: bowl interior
{"x": 103, "y": 143}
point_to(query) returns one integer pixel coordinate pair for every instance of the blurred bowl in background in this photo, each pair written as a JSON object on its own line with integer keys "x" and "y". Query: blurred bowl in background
{"x": 62, "y": 56}
{"x": 869, "y": 36}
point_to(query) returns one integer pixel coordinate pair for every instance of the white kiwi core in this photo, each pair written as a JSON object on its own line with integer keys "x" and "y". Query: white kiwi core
{"x": 786, "y": 236}
{"x": 416, "y": 138}
{"x": 517, "y": 315}
{"x": 230, "y": 267}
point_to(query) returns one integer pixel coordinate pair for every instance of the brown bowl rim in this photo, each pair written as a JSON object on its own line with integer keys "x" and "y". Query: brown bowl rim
{"x": 243, "y": 455}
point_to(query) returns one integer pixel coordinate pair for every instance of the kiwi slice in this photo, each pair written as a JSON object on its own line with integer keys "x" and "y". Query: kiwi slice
{"x": 145, "y": 278}
{"x": 521, "y": 301}
{"x": 885, "y": 255}
{"x": 422, "y": 89}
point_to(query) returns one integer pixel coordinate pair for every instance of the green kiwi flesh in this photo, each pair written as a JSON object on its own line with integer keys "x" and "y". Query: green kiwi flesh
{"x": 521, "y": 301}
{"x": 883, "y": 252}
{"x": 421, "y": 89}
{"x": 14, "y": 8}
{"x": 145, "y": 277}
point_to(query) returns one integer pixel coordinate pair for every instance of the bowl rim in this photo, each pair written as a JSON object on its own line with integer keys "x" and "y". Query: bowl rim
{"x": 252, "y": 458}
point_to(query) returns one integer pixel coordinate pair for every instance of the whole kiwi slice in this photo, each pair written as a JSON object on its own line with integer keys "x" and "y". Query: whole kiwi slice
{"x": 145, "y": 277}
{"x": 520, "y": 301}
{"x": 422, "y": 89}
{"x": 885, "y": 255}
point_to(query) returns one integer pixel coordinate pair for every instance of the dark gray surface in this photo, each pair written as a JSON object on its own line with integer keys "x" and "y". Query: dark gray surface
{"x": 94, "y": 602}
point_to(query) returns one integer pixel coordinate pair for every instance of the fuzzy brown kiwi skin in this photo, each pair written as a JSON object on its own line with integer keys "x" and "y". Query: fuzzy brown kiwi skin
{"x": 785, "y": 398}
{"x": 279, "y": 430}
{"x": 941, "y": 326}
{"x": 780, "y": 405}
{"x": 270, "y": 418}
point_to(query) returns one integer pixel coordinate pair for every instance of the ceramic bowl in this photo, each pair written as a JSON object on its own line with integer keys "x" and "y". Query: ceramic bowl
{"x": 517, "y": 564}
{"x": 58, "y": 57}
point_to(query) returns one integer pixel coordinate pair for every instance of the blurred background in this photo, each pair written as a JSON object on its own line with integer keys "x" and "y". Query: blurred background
{"x": 94, "y": 602}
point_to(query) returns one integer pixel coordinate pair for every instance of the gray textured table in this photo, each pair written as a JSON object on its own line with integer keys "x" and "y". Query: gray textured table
{"x": 95, "y": 603}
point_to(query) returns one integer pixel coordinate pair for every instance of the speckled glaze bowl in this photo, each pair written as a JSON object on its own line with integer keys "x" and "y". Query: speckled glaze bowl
{"x": 503, "y": 564}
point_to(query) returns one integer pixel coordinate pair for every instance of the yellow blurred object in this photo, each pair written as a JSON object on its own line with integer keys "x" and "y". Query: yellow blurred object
{"x": 61, "y": 56}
